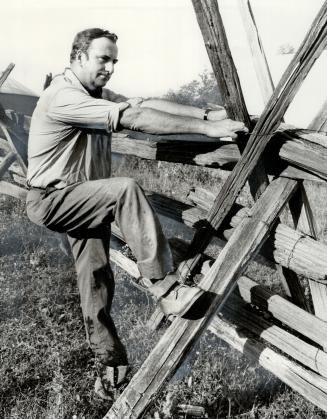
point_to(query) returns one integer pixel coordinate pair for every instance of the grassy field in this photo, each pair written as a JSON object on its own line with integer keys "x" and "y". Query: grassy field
{"x": 46, "y": 369}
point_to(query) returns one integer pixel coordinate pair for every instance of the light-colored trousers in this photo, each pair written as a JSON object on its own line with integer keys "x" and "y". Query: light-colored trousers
{"x": 84, "y": 211}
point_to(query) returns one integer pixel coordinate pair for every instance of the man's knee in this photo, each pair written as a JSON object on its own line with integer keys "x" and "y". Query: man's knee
{"x": 130, "y": 185}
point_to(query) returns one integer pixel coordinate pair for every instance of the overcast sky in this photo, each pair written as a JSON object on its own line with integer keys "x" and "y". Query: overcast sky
{"x": 160, "y": 44}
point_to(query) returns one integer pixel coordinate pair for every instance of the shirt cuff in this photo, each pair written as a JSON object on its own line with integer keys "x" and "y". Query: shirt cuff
{"x": 114, "y": 115}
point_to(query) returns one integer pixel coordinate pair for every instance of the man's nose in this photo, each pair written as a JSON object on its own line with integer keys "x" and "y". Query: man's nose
{"x": 110, "y": 67}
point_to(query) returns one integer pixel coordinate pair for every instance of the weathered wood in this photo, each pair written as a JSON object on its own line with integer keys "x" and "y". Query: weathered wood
{"x": 283, "y": 310}
{"x": 22, "y": 121}
{"x": 4, "y": 145}
{"x": 201, "y": 197}
{"x": 308, "y": 152}
{"x": 6, "y": 73}
{"x": 292, "y": 250}
{"x": 290, "y": 280}
{"x": 309, "y": 384}
{"x": 215, "y": 39}
{"x": 240, "y": 247}
{"x": 213, "y": 154}
{"x": 16, "y": 137}
{"x": 47, "y": 81}
{"x": 298, "y": 147}
{"x": 216, "y": 43}
{"x": 292, "y": 172}
{"x": 12, "y": 190}
{"x": 318, "y": 291}
{"x": 253, "y": 293}
{"x": 309, "y": 51}
{"x": 301, "y": 253}
{"x": 302, "y": 213}
{"x": 191, "y": 410}
{"x": 319, "y": 123}
{"x": 14, "y": 168}
{"x": 176, "y": 210}
{"x": 259, "y": 58}
{"x": 243, "y": 316}
{"x": 220, "y": 281}
{"x": 124, "y": 262}
{"x": 319, "y": 297}
{"x": 21, "y": 180}
{"x": 293, "y": 287}
{"x": 6, "y": 163}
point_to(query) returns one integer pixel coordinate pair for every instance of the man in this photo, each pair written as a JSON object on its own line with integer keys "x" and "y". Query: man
{"x": 71, "y": 190}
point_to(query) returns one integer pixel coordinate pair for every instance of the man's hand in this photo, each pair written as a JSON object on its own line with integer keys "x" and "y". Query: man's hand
{"x": 225, "y": 128}
{"x": 217, "y": 112}
{"x": 217, "y": 115}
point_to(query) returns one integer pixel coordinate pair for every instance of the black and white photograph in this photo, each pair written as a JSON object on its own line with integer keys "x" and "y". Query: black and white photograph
{"x": 163, "y": 209}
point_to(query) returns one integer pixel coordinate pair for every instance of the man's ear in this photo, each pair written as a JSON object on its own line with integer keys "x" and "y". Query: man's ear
{"x": 81, "y": 57}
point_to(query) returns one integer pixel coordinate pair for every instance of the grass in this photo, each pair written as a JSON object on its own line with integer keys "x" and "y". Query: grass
{"x": 46, "y": 368}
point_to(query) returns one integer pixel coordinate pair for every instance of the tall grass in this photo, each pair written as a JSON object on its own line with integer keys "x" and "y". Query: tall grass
{"x": 46, "y": 369}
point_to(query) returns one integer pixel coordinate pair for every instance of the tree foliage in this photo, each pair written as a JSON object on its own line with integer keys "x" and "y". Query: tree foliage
{"x": 286, "y": 49}
{"x": 198, "y": 92}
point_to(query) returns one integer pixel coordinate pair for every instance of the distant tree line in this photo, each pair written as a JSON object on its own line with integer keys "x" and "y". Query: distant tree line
{"x": 199, "y": 92}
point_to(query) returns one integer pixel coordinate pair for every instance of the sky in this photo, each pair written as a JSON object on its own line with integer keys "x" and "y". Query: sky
{"x": 160, "y": 44}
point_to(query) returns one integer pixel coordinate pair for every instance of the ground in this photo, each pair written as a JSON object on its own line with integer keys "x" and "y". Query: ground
{"x": 46, "y": 368}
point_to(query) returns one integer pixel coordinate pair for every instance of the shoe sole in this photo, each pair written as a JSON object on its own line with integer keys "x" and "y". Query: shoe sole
{"x": 188, "y": 306}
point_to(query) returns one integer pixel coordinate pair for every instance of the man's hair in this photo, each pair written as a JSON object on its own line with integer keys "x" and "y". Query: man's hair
{"x": 84, "y": 38}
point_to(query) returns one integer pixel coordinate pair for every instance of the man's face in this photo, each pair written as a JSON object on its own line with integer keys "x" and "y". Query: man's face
{"x": 97, "y": 65}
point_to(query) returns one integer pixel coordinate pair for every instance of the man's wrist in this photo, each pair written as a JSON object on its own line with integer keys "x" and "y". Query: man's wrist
{"x": 206, "y": 113}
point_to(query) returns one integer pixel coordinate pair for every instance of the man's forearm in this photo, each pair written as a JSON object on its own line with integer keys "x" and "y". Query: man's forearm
{"x": 216, "y": 114}
{"x": 173, "y": 108}
{"x": 156, "y": 122}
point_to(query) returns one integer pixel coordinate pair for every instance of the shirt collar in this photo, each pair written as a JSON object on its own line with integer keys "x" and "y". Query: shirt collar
{"x": 72, "y": 78}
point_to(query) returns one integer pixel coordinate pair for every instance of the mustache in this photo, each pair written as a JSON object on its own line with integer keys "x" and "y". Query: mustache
{"x": 104, "y": 73}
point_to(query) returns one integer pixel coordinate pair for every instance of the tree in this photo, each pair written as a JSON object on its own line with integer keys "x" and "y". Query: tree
{"x": 286, "y": 49}
{"x": 199, "y": 92}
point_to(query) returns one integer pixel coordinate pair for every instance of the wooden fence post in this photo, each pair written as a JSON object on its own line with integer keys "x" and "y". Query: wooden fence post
{"x": 319, "y": 123}
{"x": 219, "y": 281}
{"x": 307, "y": 223}
{"x": 309, "y": 51}
{"x": 259, "y": 58}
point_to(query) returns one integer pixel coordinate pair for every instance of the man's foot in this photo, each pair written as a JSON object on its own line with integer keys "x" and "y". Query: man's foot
{"x": 101, "y": 392}
{"x": 180, "y": 299}
{"x": 109, "y": 380}
{"x": 159, "y": 287}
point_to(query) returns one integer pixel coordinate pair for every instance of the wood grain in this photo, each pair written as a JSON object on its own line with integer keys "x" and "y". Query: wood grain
{"x": 309, "y": 51}
{"x": 220, "y": 280}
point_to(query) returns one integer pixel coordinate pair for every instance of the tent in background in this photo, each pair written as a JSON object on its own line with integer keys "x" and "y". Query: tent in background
{"x": 13, "y": 95}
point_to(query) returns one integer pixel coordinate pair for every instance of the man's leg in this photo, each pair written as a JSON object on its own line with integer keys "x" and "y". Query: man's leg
{"x": 83, "y": 211}
{"x": 88, "y": 205}
{"x": 96, "y": 287}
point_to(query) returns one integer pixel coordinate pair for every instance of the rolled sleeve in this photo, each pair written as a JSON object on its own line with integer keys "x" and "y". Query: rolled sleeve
{"x": 77, "y": 108}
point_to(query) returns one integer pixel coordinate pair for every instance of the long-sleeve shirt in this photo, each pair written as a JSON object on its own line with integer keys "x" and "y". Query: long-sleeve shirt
{"x": 70, "y": 134}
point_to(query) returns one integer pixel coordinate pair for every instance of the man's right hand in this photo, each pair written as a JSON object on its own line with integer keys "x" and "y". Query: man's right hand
{"x": 224, "y": 128}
